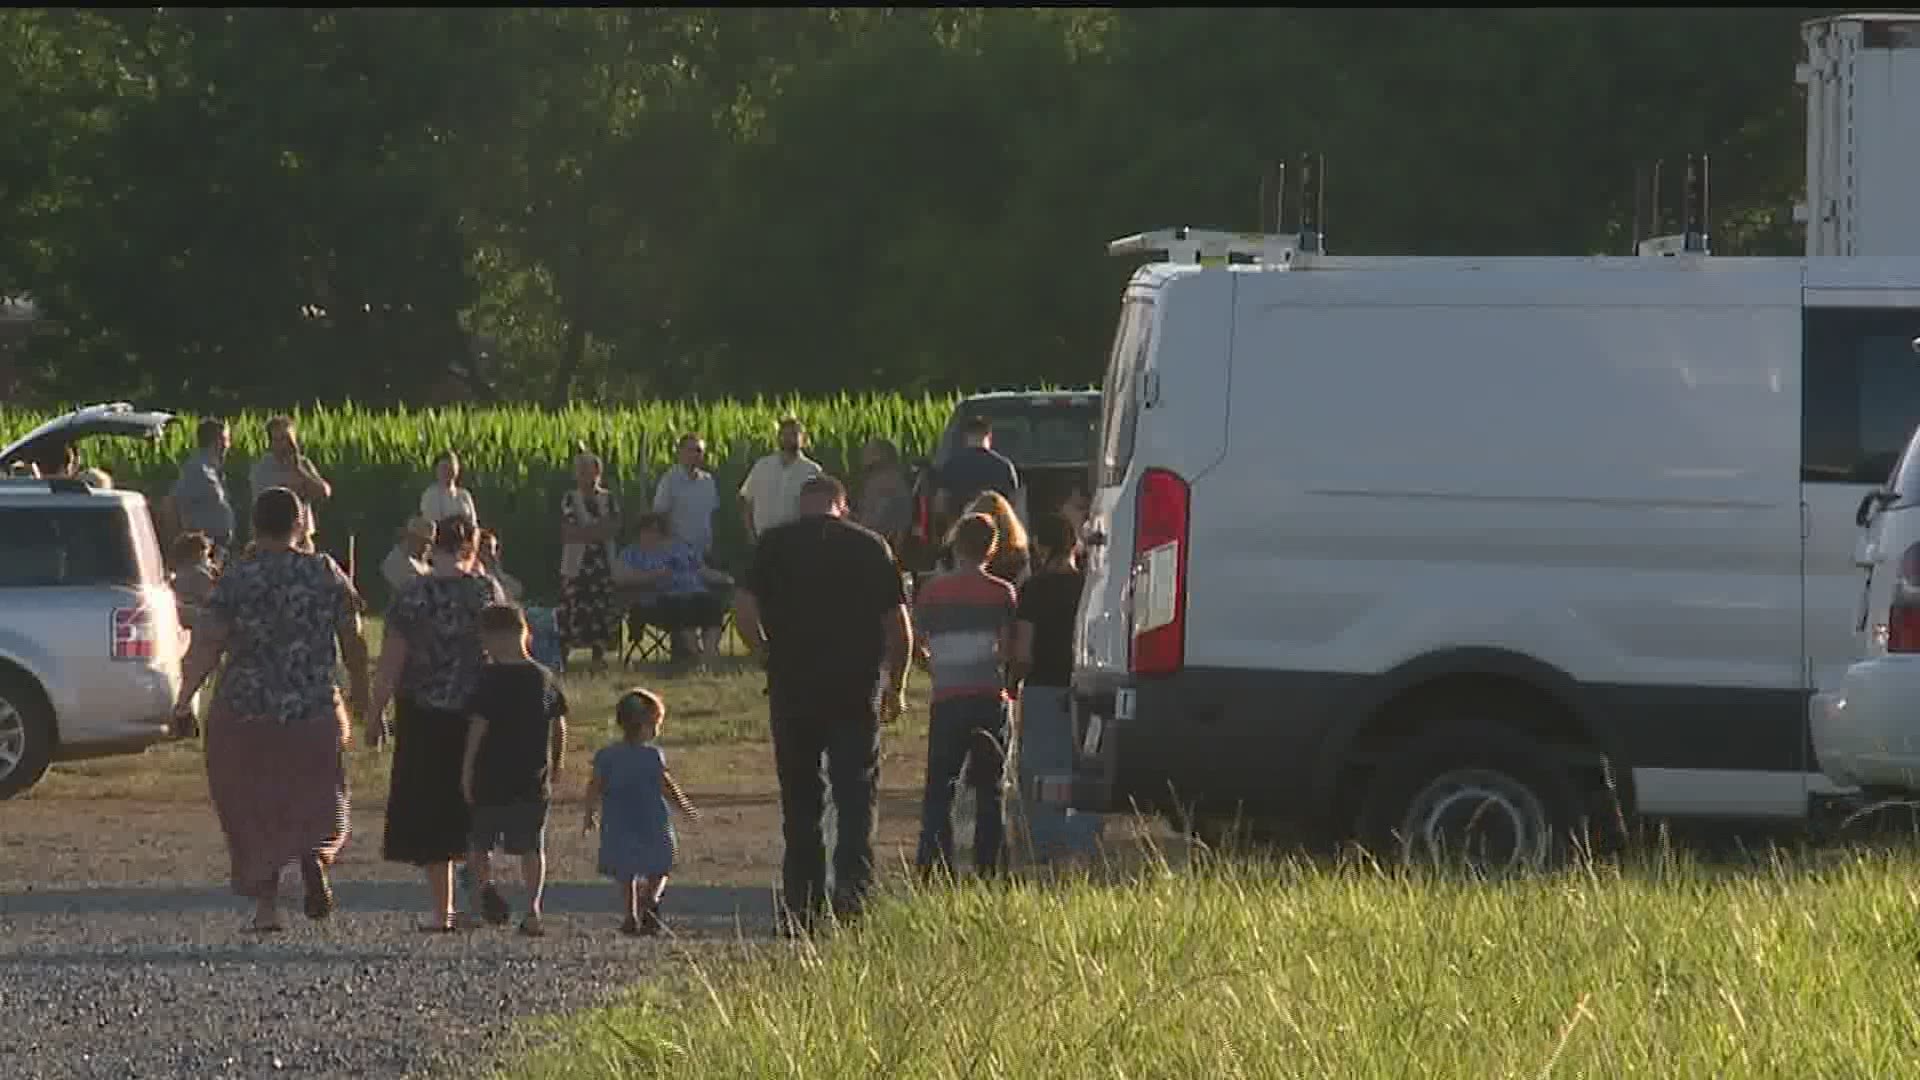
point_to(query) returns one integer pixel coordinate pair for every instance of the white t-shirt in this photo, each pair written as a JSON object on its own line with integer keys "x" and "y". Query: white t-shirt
{"x": 773, "y": 487}
{"x": 437, "y": 503}
{"x": 688, "y": 500}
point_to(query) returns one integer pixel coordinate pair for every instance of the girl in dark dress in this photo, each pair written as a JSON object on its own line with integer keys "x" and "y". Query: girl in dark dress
{"x": 429, "y": 665}
{"x": 589, "y": 521}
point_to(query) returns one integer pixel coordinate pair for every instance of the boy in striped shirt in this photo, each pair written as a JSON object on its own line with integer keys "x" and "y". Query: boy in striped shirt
{"x": 965, "y": 622}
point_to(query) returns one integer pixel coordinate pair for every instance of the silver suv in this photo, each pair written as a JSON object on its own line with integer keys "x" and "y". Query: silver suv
{"x": 90, "y": 640}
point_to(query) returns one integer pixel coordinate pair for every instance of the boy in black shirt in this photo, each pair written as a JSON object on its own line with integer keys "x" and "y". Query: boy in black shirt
{"x": 516, "y": 739}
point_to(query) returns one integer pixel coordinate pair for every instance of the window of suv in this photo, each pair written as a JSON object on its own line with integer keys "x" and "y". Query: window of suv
{"x": 50, "y": 547}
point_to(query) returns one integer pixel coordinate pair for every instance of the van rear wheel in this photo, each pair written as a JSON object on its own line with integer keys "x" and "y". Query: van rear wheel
{"x": 1486, "y": 801}
{"x": 26, "y": 735}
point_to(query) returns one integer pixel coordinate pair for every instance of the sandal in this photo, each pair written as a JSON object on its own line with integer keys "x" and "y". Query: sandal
{"x": 319, "y": 901}
{"x": 531, "y": 926}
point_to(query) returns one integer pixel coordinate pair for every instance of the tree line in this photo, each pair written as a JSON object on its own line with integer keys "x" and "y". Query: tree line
{"x": 212, "y": 208}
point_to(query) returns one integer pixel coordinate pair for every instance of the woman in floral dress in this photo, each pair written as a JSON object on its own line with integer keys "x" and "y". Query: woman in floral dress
{"x": 283, "y": 619}
{"x": 589, "y": 522}
{"x": 430, "y": 663}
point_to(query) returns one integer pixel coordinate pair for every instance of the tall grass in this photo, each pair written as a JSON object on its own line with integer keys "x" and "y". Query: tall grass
{"x": 1797, "y": 968}
{"x": 518, "y": 459}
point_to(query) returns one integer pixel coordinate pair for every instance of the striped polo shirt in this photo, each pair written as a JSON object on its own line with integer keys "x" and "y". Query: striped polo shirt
{"x": 963, "y": 615}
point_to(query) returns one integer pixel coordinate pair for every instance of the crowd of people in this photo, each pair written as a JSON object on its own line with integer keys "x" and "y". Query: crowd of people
{"x": 479, "y": 725}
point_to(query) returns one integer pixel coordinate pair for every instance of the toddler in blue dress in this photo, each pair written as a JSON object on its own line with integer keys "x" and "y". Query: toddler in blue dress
{"x": 628, "y": 798}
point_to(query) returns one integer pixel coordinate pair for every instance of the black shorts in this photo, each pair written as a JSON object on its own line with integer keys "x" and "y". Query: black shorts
{"x": 688, "y": 611}
{"x": 517, "y": 829}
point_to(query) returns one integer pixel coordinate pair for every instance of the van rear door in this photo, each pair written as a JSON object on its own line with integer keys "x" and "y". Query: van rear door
{"x": 1100, "y": 634}
{"x": 1164, "y": 426}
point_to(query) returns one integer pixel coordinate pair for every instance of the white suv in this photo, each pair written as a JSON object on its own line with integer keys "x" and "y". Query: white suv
{"x": 90, "y": 641}
{"x": 1866, "y": 732}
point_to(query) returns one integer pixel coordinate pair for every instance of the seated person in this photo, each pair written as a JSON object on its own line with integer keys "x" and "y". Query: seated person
{"x": 408, "y": 559}
{"x": 671, "y": 589}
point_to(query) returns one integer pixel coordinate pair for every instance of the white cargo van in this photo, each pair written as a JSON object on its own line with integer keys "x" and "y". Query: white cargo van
{"x": 1381, "y": 545}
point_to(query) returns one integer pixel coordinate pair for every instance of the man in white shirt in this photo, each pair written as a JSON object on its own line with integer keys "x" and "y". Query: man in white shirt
{"x": 771, "y": 494}
{"x": 688, "y": 496}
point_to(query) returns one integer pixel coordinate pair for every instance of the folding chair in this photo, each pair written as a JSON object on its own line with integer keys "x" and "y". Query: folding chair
{"x": 649, "y": 643}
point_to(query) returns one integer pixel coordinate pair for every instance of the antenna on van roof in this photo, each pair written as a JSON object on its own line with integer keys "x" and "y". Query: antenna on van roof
{"x": 1313, "y": 203}
{"x": 1692, "y": 238}
{"x": 1694, "y": 225}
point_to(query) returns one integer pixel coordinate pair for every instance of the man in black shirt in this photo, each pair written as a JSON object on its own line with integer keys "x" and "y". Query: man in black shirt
{"x": 975, "y": 467}
{"x": 823, "y": 604}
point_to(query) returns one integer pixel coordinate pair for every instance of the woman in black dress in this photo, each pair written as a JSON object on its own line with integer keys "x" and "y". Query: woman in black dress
{"x": 429, "y": 665}
{"x": 589, "y": 522}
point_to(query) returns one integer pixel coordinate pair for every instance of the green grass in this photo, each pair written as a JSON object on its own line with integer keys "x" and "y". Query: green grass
{"x": 1799, "y": 967}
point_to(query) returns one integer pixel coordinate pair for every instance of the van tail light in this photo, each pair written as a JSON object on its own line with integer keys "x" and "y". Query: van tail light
{"x": 1159, "y": 592}
{"x": 134, "y": 636}
{"x": 1903, "y": 616}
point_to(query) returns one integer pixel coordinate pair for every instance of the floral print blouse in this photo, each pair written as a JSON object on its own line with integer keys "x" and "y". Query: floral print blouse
{"x": 439, "y": 618}
{"x": 282, "y": 610}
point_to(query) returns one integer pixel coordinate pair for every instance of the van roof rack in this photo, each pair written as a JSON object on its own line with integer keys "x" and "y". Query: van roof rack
{"x": 1209, "y": 247}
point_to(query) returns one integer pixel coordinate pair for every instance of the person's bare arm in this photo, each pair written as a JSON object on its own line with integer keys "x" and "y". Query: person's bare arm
{"x": 393, "y": 660}
{"x": 1020, "y": 655}
{"x": 679, "y": 797}
{"x": 897, "y": 625}
{"x": 317, "y": 488}
{"x": 476, "y": 730}
{"x": 353, "y": 651}
{"x": 746, "y": 515}
{"x": 746, "y": 619}
{"x": 557, "y": 753}
{"x": 594, "y": 791}
{"x": 203, "y": 655}
{"x": 627, "y": 575}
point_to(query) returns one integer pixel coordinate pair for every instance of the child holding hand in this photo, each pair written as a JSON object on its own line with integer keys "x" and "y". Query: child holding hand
{"x": 628, "y": 798}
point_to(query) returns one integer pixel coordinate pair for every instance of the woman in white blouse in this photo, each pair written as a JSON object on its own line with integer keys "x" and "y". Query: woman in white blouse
{"x": 445, "y": 498}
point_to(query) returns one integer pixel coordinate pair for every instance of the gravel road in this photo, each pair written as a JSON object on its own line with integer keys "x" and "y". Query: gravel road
{"x": 123, "y": 955}
{"x": 161, "y": 982}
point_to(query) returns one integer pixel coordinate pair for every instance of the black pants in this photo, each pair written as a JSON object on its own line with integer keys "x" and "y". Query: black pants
{"x": 848, "y": 736}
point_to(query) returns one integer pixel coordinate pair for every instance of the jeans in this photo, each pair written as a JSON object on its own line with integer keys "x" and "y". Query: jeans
{"x": 967, "y": 735}
{"x": 1046, "y": 773}
{"x": 849, "y": 738}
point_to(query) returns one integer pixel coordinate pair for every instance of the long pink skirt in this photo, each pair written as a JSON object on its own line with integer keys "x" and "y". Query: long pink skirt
{"x": 280, "y": 791}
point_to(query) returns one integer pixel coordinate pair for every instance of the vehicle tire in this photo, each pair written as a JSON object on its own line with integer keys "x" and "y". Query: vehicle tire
{"x": 26, "y": 735}
{"x": 1483, "y": 800}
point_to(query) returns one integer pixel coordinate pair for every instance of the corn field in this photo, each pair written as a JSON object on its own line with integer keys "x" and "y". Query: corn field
{"x": 517, "y": 461}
